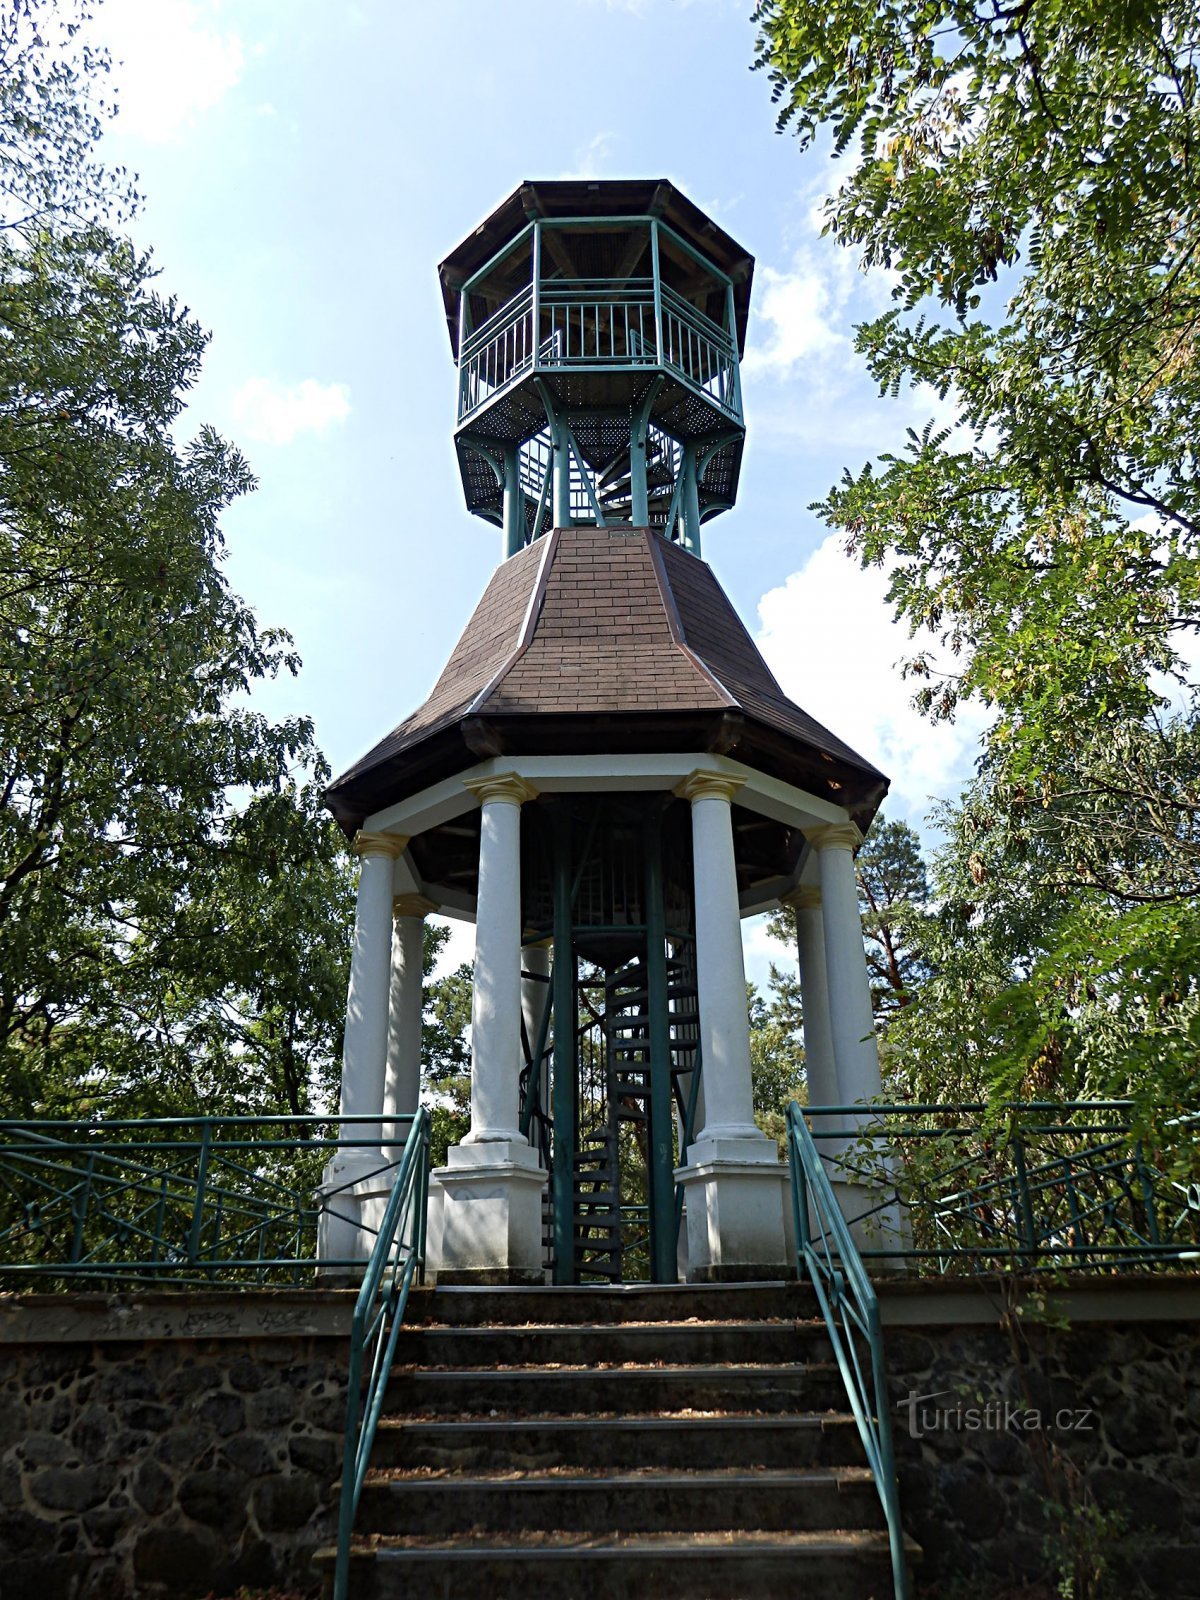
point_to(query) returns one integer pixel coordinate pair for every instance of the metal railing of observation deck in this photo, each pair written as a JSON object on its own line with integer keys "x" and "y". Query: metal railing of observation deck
{"x": 600, "y": 324}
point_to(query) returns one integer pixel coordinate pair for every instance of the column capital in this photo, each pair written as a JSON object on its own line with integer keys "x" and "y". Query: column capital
{"x": 704, "y": 785}
{"x": 834, "y": 836}
{"x": 412, "y": 905}
{"x": 509, "y": 787}
{"x": 391, "y": 845}
{"x": 806, "y": 897}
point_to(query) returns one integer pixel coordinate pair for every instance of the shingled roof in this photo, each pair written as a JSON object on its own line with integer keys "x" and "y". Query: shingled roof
{"x": 596, "y": 640}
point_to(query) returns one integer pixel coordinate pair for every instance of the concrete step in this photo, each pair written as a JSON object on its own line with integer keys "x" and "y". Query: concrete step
{"x": 778, "y": 1500}
{"x": 631, "y": 1302}
{"x": 836, "y": 1565}
{"x": 618, "y": 1391}
{"x": 620, "y": 1443}
{"x": 587, "y": 1344}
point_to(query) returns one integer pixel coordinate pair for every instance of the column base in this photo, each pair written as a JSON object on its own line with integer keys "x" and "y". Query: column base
{"x": 738, "y": 1210}
{"x": 351, "y": 1199}
{"x": 491, "y": 1222}
{"x": 878, "y": 1221}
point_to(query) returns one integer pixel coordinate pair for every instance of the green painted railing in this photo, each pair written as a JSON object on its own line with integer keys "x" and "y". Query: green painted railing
{"x": 1030, "y": 1186}
{"x": 398, "y": 1257}
{"x": 602, "y": 324}
{"x": 827, "y": 1256}
{"x": 177, "y": 1201}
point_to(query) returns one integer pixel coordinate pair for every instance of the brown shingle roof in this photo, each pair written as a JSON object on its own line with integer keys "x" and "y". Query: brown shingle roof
{"x": 603, "y": 639}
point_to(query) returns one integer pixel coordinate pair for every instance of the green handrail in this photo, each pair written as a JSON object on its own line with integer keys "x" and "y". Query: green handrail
{"x": 398, "y": 1257}
{"x": 827, "y": 1255}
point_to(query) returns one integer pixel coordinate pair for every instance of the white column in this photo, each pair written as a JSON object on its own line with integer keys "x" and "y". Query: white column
{"x": 402, "y": 1082}
{"x": 736, "y": 1202}
{"x": 350, "y": 1189}
{"x": 819, "y": 1066}
{"x": 491, "y": 1185}
{"x": 852, "y": 1023}
{"x": 496, "y": 995}
{"x": 364, "y": 1049}
{"x": 720, "y": 970}
{"x": 859, "y": 1166}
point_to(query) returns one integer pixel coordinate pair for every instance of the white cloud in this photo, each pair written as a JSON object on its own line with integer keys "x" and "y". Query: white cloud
{"x": 275, "y": 413}
{"x": 172, "y": 59}
{"x": 796, "y": 316}
{"x": 591, "y": 158}
{"x": 828, "y": 635}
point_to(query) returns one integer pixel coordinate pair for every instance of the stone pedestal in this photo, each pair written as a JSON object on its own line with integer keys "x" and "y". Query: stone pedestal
{"x": 352, "y": 1197}
{"x": 738, "y": 1210}
{"x": 491, "y": 1222}
{"x": 878, "y": 1221}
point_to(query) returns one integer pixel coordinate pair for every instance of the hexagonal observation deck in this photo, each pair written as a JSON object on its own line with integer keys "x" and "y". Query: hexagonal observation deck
{"x": 598, "y": 327}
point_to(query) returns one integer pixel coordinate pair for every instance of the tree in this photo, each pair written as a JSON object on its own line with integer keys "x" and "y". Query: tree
{"x": 1028, "y": 173}
{"x": 167, "y": 881}
{"x": 1047, "y": 148}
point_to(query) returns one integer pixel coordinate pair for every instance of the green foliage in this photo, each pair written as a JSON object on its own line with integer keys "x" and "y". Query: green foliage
{"x": 1052, "y": 145}
{"x": 445, "y": 1056}
{"x": 1052, "y": 549}
{"x": 776, "y": 1060}
{"x": 174, "y": 905}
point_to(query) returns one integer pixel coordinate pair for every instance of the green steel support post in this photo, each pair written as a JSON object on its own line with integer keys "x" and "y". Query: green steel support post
{"x": 658, "y": 331}
{"x": 560, "y": 458}
{"x": 81, "y": 1210}
{"x": 734, "y": 400}
{"x": 536, "y": 316}
{"x": 563, "y": 1090}
{"x": 639, "y": 492}
{"x": 194, "y": 1232}
{"x": 589, "y": 487}
{"x": 691, "y": 500}
{"x": 514, "y": 502}
{"x": 562, "y": 475}
{"x": 662, "y": 1164}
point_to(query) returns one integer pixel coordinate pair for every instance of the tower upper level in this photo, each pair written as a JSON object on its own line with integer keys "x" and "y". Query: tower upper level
{"x": 598, "y": 327}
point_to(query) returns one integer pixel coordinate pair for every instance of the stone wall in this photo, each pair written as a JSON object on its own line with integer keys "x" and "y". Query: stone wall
{"x": 1112, "y": 1394}
{"x": 167, "y": 1446}
{"x": 174, "y": 1446}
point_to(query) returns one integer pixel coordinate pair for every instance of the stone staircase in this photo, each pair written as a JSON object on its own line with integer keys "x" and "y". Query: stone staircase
{"x": 581, "y": 1444}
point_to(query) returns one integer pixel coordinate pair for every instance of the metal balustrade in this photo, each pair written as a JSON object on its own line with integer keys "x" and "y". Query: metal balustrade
{"x": 964, "y": 1188}
{"x": 598, "y": 323}
{"x": 182, "y": 1201}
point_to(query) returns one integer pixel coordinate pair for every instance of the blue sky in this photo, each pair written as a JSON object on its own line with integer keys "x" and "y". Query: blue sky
{"x": 305, "y": 167}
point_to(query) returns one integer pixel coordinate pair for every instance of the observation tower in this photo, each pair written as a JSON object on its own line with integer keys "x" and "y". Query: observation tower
{"x": 605, "y": 778}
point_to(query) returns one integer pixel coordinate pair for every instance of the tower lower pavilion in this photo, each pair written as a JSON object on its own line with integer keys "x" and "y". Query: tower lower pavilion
{"x": 605, "y": 779}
